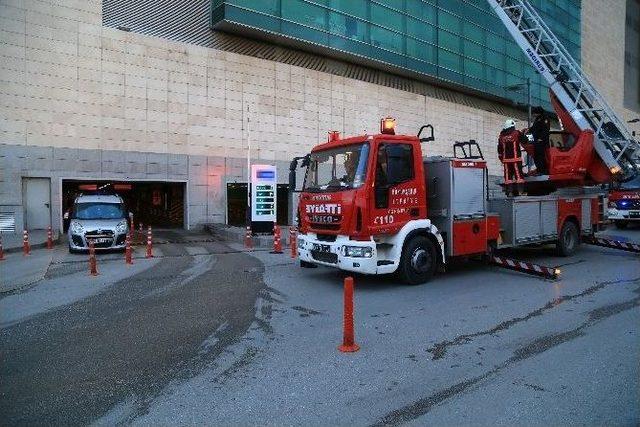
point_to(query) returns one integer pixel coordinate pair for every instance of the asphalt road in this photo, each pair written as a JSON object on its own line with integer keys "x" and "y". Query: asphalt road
{"x": 69, "y": 365}
{"x": 203, "y": 337}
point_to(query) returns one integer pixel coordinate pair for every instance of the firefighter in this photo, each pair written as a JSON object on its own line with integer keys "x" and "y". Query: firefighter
{"x": 509, "y": 149}
{"x": 540, "y": 131}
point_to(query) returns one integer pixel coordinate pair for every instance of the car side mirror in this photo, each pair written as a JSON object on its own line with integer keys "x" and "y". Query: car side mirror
{"x": 66, "y": 215}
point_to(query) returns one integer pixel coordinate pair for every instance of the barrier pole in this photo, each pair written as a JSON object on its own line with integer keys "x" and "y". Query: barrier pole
{"x": 26, "y": 247}
{"x": 49, "y": 238}
{"x": 277, "y": 244}
{"x": 348, "y": 337}
{"x": 149, "y": 243}
{"x": 93, "y": 267}
{"x": 127, "y": 251}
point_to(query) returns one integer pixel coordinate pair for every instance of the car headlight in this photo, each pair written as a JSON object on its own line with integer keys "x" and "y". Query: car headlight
{"x": 357, "y": 251}
{"x": 301, "y": 244}
{"x": 121, "y": 227}
{"x": 76, "y": 227}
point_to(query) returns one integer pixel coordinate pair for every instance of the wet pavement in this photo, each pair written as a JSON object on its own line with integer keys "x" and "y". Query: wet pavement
{"x": 69, "y": 363}
{"x": 205, "y": 334}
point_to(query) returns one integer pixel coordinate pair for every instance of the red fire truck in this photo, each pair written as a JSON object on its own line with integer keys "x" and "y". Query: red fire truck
{"x": 373, "y": 204}
{"x": 624, "y": 203}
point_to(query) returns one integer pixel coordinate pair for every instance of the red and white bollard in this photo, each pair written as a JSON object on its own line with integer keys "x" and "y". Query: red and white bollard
{"x": 149, "y": 243}
{"x": 277, "y": 243}
{"x": 26, "y": 247}
{"x": 293, "y": 241}
{"x": 248, "y": 240}
{"x": 348, "y": 338}
{"x": 93, "y": 265}
{"x": 49, "y": 238}
{"x": 132, "y": 229}
{"x": 127, "y": 251}
{"x": 1, "y": 249}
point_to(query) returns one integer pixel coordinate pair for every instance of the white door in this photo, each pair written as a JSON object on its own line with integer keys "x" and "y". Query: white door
{"x": 37, "y": 198}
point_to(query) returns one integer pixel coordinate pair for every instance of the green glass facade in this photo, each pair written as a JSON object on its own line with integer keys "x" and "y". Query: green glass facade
{"x": 458, "y": 41}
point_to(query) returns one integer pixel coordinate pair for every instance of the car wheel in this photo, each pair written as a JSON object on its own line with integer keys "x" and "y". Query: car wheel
{"x": 621, "y": 224}
{"x": 569, "y": 239}
{"x": 418, "y": 261}
{"x": 73, "y": 251}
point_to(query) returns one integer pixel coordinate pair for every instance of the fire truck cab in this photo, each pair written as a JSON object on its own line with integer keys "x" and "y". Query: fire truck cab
{"x": 364, "y": 207}
{"x": 624, "y": 203}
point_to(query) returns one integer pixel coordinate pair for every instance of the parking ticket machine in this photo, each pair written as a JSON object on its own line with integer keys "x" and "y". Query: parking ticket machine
{"x": 263, "y": 197}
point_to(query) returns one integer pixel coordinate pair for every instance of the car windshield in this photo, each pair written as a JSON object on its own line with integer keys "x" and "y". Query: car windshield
{"x": 97, "y": 210}
{"x": 337, "y": 169}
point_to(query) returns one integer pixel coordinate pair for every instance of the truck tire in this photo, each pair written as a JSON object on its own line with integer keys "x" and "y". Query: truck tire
{"x": 307, "y": 264}
{"x": 418, "y": 261}
{"x": 568, "y": 240}
{"x": 620, "y": 224}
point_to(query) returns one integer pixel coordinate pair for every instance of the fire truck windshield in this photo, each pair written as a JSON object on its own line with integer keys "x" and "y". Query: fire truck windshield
{"x": 337, "y": 169}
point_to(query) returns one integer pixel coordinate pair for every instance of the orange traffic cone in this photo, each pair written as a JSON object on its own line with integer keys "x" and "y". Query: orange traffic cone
{"x": 293, "y": 241}
{"x": 49, "y": 238}
{"x": 248, "y": 240}
{"x": 348, "y": 341}
{"x": 93, "y": 265}
{"x": 277, "y": 244}
{"x": 1, "y": 249}
{"x": 149, "y": 243}
{"x": 127, "y": 251}
{"x": 26, "y": 247}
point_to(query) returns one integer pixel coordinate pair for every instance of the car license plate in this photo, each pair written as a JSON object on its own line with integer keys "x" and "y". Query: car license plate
{"x": 321, "y": 248}
{"x": 102, "y": 240}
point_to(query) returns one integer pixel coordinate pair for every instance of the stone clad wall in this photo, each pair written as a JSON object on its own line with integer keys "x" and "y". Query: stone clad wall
{"x": 603, "y": 38}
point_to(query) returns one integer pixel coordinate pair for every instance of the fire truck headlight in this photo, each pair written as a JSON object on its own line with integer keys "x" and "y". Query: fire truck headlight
{"x": 357, "y": 252}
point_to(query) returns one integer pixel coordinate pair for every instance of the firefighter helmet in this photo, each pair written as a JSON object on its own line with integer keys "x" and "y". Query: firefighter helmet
{"x": 509, "y": 123}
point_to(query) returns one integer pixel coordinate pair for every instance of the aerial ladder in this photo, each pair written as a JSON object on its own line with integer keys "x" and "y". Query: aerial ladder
{"x": 581, "y": 109}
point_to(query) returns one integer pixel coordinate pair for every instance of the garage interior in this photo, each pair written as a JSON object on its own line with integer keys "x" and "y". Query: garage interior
{"x": 156, "y": 203}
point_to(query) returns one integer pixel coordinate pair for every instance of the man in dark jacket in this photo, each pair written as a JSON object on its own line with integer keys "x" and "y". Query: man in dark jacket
{"x": 540, "y": 132}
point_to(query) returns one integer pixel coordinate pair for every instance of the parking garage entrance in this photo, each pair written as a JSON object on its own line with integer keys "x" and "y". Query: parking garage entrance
{"x": 155, "y": 203}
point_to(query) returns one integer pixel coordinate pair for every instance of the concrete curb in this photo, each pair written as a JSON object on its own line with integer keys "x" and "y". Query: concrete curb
{"x": 33, "y": 246}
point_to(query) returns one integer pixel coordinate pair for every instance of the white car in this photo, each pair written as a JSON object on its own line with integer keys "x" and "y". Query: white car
{"x": 101, "y": 218}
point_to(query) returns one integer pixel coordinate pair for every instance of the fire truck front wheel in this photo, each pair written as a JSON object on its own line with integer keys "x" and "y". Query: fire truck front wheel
{"x": 568, "y": 240}
{"x": 418, "y": 261}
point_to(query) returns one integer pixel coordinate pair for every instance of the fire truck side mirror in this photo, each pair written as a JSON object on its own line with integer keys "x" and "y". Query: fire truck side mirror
{"x": 292, "y": 170}
{"x": 429, "y": 137}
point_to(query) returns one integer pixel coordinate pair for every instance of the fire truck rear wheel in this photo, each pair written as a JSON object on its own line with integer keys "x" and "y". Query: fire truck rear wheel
{"x": 568, "y": 240}
{"x": 418, "y": 261}
{"x": 621, "y": 224}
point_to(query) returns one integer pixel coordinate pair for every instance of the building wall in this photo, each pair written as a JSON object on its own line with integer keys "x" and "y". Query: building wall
{"x": 81, "y": 100}
{"x": 603, "y": 36}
